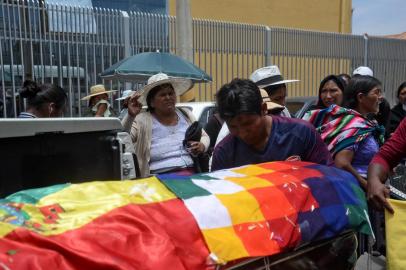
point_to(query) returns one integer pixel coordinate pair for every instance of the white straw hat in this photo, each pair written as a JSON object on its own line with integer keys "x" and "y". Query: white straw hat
{"x": 267, "y": 76}
{"x": 180, "y": 85}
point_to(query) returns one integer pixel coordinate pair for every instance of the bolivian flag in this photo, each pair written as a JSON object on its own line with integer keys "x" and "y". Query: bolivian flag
{"x": 217, "y": 217}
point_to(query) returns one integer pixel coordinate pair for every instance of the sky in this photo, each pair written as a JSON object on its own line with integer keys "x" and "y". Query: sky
{"x": 378, "y": 17}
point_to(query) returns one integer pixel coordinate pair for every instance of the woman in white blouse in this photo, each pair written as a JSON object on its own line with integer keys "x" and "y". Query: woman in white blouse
{"x": 158, "y": 133}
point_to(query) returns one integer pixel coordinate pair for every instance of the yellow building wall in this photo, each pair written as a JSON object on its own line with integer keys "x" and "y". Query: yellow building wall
{"x": 320, "y": 15}
{"x": 317, "y": 15}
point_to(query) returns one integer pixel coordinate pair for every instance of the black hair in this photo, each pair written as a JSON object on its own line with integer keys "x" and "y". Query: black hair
{"x": 358, "y": 84}
{"x": 271, "y": 89}
{"x": 401, "y": 86}
{"x": 240, "y": 96}
{"x": 384, "y": 111}
{"x": 152, "y": 93}
{"x": 345, "y": 78}
{"x": 337, "y": 80}
{"x": 40, "y": 94}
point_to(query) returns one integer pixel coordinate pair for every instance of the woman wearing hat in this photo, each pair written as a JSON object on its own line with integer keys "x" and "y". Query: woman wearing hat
{"x": 125, "y": 98}
{"x": 98, "y": 105}
{"x": 158, "y": 133}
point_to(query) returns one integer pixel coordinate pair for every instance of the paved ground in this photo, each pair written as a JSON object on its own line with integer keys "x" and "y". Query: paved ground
{"x": 376, "y": 263}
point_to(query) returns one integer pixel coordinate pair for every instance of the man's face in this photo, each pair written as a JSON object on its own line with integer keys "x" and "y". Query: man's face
{"x": 248, "y": 127}
{"x": 279, "y": 95}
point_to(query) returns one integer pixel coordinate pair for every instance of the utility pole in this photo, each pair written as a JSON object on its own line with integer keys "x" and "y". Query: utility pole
{"x": 184, "y": 33}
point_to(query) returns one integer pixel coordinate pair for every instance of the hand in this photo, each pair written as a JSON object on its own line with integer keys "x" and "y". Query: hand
{"x": 195, "y": 148}
{"x": 101, "y": 109}
{"x": 377, "y": 194}
{"x": 134, "y": 106}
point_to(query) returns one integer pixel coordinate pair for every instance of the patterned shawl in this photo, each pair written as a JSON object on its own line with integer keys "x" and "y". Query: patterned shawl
{"x": 340, "y": 127}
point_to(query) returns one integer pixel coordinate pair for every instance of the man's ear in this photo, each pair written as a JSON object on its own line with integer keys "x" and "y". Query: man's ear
{"x": 264, "y": 109}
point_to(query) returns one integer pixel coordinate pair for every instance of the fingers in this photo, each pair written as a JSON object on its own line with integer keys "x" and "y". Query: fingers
{"x": 388, "y": 207}
{"x": 134, "y": 106}
{"x": 194, "y": 147}
{"x": 378, "y": 199}
{"x": 134, "y": 99}
{"x": 136, "y": 94}
{"x": 385, "y": 202}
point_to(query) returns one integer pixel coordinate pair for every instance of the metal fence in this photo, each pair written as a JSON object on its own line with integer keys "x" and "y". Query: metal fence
{"x": 70, "y": 46}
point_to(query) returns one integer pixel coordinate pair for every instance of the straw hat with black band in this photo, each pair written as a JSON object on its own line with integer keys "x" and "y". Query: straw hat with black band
{"x": 267, "y": 76}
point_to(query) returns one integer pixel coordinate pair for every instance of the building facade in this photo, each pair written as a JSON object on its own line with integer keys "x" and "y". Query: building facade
{"x": 320, "y": 15}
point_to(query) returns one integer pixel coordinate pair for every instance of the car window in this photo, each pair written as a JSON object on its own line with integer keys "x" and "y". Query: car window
{"x": 294, "y": 106}
{"x": 187, "y": 107}
{"x": 206, "y": 113}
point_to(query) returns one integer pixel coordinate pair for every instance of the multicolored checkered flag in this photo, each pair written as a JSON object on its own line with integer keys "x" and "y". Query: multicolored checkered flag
{"x": 259, "y": 210}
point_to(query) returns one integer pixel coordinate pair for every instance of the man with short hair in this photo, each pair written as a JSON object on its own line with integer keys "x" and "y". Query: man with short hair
{"x": 256, "y": 137}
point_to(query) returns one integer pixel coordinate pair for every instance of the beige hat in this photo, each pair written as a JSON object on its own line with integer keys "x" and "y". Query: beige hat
{"x": 96, "y": 90}
{"x": 180, "y": 85}
{"x": 272, "y": 107}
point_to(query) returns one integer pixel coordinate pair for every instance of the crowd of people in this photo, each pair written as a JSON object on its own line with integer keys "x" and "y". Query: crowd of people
{"x": 346, "y": 128}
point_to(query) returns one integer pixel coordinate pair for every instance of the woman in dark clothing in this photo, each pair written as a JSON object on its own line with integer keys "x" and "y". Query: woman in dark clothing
{"x": 399, "y": 111}
{"x": 43, "y": 100}
{"x": 383, "y": 116}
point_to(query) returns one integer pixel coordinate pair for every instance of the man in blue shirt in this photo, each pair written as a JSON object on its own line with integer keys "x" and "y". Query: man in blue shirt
{"x": 256, "y": 137}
